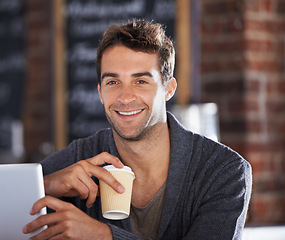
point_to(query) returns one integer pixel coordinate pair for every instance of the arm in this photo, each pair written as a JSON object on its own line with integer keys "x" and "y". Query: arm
{"x": 67, "y": 222}
{"x": 223, "y": 203}
{"x": 76, "y": 181}
{"x": 56, "y": 167}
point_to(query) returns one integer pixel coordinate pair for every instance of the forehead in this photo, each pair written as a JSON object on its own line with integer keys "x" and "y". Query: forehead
{"x": 121, "y": 58}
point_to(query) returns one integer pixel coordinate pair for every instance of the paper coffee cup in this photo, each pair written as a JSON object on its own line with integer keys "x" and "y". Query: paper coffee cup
{"x": 116, "y": 206}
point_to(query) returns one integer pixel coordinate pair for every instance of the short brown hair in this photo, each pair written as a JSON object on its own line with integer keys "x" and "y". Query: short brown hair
{"x": 140, "y": 35}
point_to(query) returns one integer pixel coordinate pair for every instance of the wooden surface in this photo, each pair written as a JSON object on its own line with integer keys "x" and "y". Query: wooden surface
{"x": 183, "y": 66}
{"x": 60, "y": 109}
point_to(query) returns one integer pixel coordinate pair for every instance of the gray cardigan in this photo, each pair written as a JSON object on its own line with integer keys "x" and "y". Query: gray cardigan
{"x": 207, "y": 191}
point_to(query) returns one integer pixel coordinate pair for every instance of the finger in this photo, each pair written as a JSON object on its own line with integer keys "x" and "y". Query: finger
{"x": 92, "y": 190}
{"x": 108, "y": 178}
{"x": 78, "y": 189}
{"x": 93, "y": 193}
{"x": 49, "y": 202}
{"x": 90, "y": 168}
{"x": 101, "y": 173}
{"x": 43, "y": 220}
{"x": 49, "y": 233}
{"x": 47, "y": 219}
{"x": 105, "y": 157}
{"x": 85, "y": 185}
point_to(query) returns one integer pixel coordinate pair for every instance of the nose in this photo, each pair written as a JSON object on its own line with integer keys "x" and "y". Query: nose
{"x": 127, "y": 95}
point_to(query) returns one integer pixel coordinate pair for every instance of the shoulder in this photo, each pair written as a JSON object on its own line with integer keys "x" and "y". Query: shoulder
{"x": 77, "y": 150}
{"x": 201, "y": 156}
{"x": 216, "y": 159}
{"x": 220, "y": 170}
{"x": 94, "y": 144}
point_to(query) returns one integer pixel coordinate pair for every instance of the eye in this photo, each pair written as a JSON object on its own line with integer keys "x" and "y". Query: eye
{"x": 141, "y": 81}
{"x": 111, "y": 82}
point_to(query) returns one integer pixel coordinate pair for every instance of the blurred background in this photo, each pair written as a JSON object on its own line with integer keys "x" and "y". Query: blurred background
{"x": 230, "y": 67}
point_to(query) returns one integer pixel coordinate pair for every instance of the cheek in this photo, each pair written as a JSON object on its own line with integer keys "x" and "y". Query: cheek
{"x": 105, "y": 99}
{"x": 158, "y": 99}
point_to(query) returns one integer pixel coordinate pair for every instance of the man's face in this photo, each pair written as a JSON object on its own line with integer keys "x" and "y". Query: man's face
{"x": 132, "y": 91}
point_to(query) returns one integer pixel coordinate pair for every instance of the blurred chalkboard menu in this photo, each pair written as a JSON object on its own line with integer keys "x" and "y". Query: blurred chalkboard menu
{"x": 86, "y": 20}
{"x": 12, "y": 68}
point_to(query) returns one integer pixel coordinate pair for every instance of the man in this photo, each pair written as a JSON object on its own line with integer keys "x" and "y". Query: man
{"x": 186, "y": 186}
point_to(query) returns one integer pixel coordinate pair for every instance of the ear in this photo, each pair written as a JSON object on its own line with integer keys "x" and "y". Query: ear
{"x": 99, "y": 91}
{"x": 170, "y": 88}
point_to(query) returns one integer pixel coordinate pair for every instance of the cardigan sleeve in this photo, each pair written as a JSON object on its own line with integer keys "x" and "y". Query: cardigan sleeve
{"x": 60, "y": 159}
{"x": 224, "y": 203}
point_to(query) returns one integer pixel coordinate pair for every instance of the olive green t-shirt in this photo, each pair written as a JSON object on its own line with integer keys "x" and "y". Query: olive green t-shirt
{"x": 145, "y": 221}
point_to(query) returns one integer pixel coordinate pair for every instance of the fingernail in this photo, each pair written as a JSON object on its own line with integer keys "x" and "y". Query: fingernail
{"x": 25, "y": 229}
{"x": 121, "y": 189}
{"x": 121, "y": 163}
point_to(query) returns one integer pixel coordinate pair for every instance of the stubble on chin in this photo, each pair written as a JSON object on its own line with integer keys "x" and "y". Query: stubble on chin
{"x": 128, "y": 134}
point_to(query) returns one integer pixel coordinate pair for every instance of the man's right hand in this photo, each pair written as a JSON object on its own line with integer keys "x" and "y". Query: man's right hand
{"x": 76, "y": 181}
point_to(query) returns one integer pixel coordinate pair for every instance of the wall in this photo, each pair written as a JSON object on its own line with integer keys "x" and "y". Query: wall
{"x": 12, "y": 74}
{"x": 37, "y": 111}
{"x": 242, "y": 70}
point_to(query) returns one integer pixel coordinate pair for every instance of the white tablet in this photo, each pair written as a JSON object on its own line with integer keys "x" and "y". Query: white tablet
{"x": 21, "y": 185}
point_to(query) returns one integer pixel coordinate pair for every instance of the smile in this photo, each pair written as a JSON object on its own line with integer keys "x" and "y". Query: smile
{"x": 130, "y": 113}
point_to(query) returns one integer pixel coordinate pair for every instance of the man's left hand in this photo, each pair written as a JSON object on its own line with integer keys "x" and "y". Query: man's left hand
{"x": 67, "y": 222}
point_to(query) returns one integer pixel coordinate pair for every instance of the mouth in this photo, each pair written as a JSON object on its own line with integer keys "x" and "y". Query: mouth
{"x": 130, "y": 113}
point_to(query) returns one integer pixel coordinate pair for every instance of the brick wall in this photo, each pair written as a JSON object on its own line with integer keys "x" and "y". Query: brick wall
{"x": 37, "y": 92}
{"x": 243, "y": 71}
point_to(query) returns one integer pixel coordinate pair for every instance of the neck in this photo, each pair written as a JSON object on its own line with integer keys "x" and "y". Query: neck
{"x": 146, "y": 156}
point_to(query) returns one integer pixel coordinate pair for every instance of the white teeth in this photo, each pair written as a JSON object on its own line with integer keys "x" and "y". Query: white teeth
{"x": 129, "y": 113}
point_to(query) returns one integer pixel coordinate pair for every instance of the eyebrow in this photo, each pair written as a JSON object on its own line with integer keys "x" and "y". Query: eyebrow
{"x": 115, "y": 75}
{"x": 104, "y": 75}
{"x": 142, "y": 74}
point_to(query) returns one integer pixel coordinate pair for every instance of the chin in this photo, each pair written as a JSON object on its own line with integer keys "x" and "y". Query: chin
{"x": 133, "y": 137}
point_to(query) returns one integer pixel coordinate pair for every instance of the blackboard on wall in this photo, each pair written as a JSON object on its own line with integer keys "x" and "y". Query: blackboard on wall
{"x": 86, "y": 20}
{"x": 12, "y": 68}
